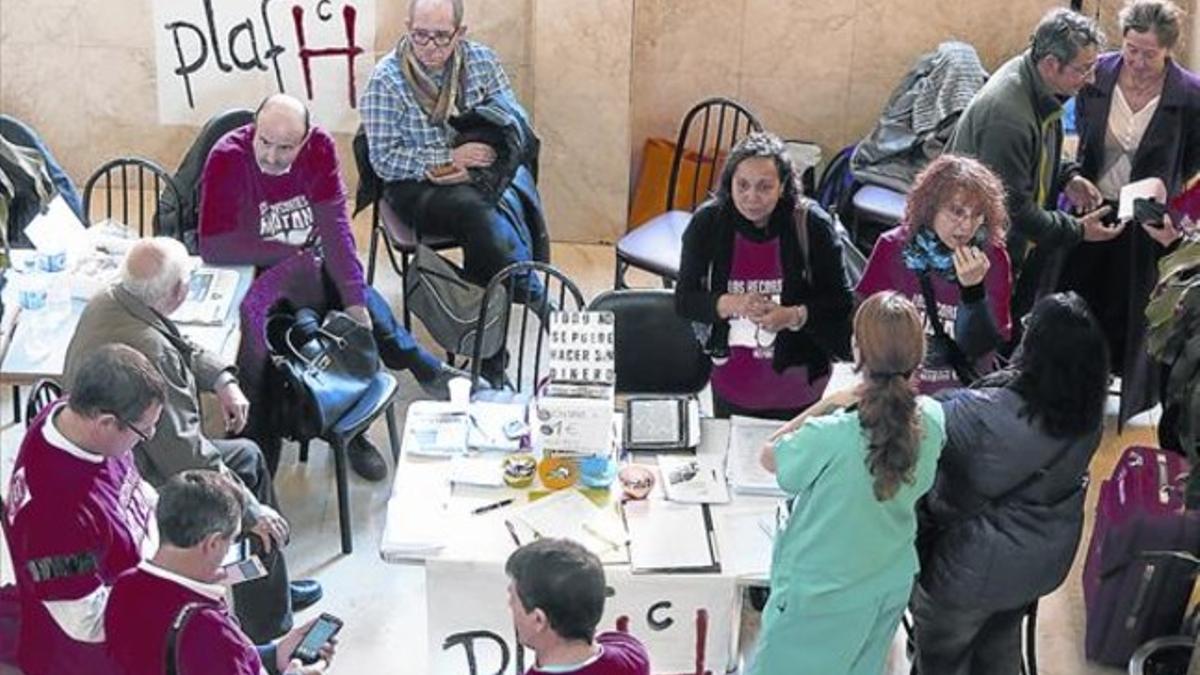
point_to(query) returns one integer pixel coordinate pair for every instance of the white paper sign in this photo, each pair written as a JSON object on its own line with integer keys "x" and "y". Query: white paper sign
{"x": 685, "y": 621}
{"x": 212, "y": 55}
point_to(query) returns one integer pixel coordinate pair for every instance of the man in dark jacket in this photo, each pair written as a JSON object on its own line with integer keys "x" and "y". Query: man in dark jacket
{"x": 1014, "y": 126}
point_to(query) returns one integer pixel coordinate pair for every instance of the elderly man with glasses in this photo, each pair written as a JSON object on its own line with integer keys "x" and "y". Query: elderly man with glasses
{"x": 1014, "y": 126}
{"x": 133, "y": 312}
{"x": 438, "y": 176}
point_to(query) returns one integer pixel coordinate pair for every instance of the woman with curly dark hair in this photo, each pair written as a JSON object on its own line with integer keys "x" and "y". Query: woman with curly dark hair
{"x": 949, "y": 251}
{"x": 1000, "y": 527}
{"x": 855, "y": 464}
{"x": 761, "y": 271}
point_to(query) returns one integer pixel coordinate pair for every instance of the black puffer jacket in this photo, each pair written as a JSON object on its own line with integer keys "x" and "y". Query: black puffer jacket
{"x": 984, "y": 545}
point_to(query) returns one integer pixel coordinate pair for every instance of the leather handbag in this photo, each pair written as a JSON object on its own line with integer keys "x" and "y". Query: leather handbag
{"x": 323, "y": 365}
{"x": 449, "y": 305}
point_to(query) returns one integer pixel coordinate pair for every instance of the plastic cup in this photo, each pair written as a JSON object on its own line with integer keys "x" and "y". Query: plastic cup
{"x": 460, "y": 392}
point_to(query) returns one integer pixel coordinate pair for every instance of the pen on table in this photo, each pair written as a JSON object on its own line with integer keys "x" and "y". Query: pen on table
{"x": 512, "y": 533}
{"x": 492, "y": 507}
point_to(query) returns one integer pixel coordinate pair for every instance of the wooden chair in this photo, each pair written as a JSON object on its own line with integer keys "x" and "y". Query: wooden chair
{"x": 125, "y": 181}
{"x": 709, "y": 130}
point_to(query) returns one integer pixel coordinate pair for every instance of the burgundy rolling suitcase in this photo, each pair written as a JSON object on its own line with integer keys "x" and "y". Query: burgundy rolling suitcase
{"x": 1134, "y": 589}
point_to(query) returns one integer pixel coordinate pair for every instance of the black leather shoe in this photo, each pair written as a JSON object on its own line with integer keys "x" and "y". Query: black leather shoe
{"x": 305, "y": 593}
{"x": 366, "y": 460}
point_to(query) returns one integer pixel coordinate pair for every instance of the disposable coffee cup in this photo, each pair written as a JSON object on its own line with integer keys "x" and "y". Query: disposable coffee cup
{"x": 460, "y": 392}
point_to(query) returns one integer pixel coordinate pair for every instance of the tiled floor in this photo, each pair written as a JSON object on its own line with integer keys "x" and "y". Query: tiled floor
{"x": 384, "y": 605}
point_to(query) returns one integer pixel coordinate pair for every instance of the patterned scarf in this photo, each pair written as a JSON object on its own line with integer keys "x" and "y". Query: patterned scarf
{"x": 927, "y": 253}
{"x": 440, "y": 102}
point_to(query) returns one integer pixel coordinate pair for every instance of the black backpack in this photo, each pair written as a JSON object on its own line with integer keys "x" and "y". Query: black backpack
{"x": 181, "y": 220}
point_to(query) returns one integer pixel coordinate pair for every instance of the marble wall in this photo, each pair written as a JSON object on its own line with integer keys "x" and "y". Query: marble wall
{"x": 598, "y": 76}
{"x": 82, "y": 73}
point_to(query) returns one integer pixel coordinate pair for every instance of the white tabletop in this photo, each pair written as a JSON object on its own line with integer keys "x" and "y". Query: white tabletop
{"x": 424, "y": 507}
{"x": 20, "y": 367}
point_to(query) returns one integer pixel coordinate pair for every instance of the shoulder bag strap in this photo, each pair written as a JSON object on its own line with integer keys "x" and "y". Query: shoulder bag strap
{"x": 958, "y": 360}
{"x": 800, "y": 221}
{"x": 172, "y": 656}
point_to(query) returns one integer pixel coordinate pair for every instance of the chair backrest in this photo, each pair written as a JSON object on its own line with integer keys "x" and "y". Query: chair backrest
{"x": 182, "y": 220}
{"x": 44, "y": 393}
{"x": 533, "y": 290}
{"x": 125, "y": 181}
{"x": 710, "y": 129}
{"x": 656, "y": 348}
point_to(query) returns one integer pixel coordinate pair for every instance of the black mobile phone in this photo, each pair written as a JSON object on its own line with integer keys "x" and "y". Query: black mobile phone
{"x": 1148, "y": 211}
{"x": 324, "y": 628}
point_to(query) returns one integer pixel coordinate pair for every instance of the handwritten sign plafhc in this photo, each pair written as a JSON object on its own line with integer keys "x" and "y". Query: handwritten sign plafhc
{"x": 685, "y": 621}
{"x": 212, "y": 55}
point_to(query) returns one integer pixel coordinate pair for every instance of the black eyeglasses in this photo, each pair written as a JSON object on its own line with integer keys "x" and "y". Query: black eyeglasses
{"x": 145, "y": 437}
{"x": 441, "y": 38}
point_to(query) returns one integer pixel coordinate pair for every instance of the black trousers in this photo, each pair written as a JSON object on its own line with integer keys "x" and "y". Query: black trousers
{"x": 263, "y": 606}
{"x": 489, "y": 238}
{"x": 958, "y": 641}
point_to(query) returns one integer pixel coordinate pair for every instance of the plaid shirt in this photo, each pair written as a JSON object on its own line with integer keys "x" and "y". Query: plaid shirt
{"x": 402, "y": 141}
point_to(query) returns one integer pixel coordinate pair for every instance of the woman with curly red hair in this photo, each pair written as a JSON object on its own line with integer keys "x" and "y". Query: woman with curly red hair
{"x": 949, "y": 252}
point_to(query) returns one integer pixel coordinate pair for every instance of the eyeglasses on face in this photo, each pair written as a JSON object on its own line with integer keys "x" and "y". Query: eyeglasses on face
{"x": 440, "y": 38}
{"x": 141, "y": 434}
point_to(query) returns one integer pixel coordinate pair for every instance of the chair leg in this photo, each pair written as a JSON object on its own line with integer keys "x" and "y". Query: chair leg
{"x": 343, "y": 495}
{"x": 404, "y": 262}
{"x": 374, "y": 246}
{"x": 619, "y": 274}
{"x": 16, "y": 404}
{"x": 1031, "y": 639}
{"x": 304, "y": 451}
{"x": 393, "y": 436}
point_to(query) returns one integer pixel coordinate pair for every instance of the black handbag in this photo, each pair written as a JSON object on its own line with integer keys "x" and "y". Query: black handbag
{"x": 323, "y": 366}
{"x": 449, "y": 305}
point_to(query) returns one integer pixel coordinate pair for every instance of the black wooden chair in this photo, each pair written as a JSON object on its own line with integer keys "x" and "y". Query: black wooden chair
{"x": 125, "y": 181}
{"x": 710, "y": 129}
{"x": 527, "y": 316}
{"x": 378, "y": 400}
{"x": 44, "y": 393}
{"x": 656, "y": 350}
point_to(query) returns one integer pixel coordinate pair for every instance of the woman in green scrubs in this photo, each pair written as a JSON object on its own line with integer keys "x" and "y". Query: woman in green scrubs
{"x": 855, "y": 464}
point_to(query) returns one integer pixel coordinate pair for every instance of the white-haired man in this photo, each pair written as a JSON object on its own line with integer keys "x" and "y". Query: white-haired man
{"x": 154, "y": 283}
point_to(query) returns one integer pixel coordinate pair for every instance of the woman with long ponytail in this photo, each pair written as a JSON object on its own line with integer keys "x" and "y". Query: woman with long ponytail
{"x": 854, "y": 465}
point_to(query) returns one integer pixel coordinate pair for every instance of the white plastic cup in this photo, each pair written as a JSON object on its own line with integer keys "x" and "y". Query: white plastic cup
{"x": 460, "y": 392}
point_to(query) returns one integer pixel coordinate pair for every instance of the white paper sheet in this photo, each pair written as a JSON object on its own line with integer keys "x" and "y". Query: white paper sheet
{"x": 667, "y": 536}
{"x": 1147, "y": 188}
{"x": 693, "y": 480}
{"x": 569, "y": 514}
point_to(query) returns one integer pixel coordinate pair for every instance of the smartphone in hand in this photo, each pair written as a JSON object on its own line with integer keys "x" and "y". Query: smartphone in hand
{"x": 246, "y": 569}
{"x": 325, "y": 627}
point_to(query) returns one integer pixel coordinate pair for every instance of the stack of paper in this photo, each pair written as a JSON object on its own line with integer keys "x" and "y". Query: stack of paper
{"x": 437, "y": 432}
{"x": 665, "y": 537}
{"x": 746, "y": 473}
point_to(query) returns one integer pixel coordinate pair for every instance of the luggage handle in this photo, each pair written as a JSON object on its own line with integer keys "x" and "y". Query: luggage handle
{"x": 1164, "y": 481}
{"x": 1140, "y": 599}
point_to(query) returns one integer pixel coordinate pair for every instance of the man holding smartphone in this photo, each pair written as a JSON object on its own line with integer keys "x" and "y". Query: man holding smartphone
{"x": 169, "y": 615}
